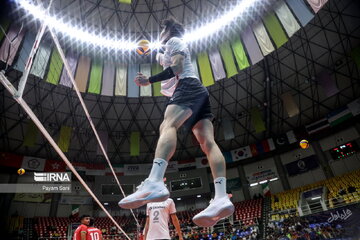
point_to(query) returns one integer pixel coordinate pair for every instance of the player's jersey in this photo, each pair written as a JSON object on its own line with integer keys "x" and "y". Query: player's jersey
{"x": 173, "y": 47}
{"x": 77, "y": 233}
{"x": 159, "y": 213}
{"x": 93, "y": 234}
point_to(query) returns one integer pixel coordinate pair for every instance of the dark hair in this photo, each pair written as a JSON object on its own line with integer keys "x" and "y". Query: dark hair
{"x": 175, "y": 28}
{"x": 92, "y": 221}
{"x": 84, "y": 216}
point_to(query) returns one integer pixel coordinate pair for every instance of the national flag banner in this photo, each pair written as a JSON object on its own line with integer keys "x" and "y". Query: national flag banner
{"x": 118, "y": 169}
{"x": 135, "y": 144}
{"x": 281, "y": 140}
{"x": 64, "y": 139}
{"x": 302, "y": 165}
{"x": 254, "y": 150}
{"x": 33, "y": 163}
{"x": 185, "y": 165}
{"x": 95, "y": 169}
{"x": 284, "y": 139}
{"x": 11, "y": 160}
{"x": 318, "y": 126}
{"x": 290, "y": 105}
{"x": 339, "y": 115}
{"x": 268, "y": 145}
{"x": 79, "y": 166}
{"x": 266, "y": 189}
{"x": 256, "y": 120}
{"x": 227, "y": 126}
{"x": 264, "y": 146}
{"x": 31, "y": 134}
{"x": 125, "y": 1}
{"x": 354, "y": 107}
{"x": 75, "y": 211}
{"x": 202, "y": 162}
{"x": 241, "y": 153}
{"x": 55, "y": 166}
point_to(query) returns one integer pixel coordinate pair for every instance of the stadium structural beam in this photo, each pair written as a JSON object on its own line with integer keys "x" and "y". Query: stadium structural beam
{"x": 281, "y": 171}
{"x": 322, "y": 159}
{"x": 244, "y": 182}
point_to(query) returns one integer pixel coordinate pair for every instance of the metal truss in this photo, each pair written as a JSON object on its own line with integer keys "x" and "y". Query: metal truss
{"x": 325, "y": 44}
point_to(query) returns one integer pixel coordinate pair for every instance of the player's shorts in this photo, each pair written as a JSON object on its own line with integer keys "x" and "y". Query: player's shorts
{"x": 192, "y": 94}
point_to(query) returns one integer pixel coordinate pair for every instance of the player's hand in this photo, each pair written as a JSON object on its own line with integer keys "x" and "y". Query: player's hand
{"x": 160, "y": 58}
{"x": 141, "y": 80}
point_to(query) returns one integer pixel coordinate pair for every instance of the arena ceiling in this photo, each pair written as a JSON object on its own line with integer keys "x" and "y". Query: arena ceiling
{"x": 323, "y": 45}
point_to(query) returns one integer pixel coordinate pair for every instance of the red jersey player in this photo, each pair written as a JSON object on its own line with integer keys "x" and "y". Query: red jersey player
{"x": 80, "y": 232}
{"x": 93, "y": 233}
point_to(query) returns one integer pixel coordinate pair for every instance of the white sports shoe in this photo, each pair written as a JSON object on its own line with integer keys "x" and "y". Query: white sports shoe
{"x": 219, "y": 208}
{"x": 147, "y": 191}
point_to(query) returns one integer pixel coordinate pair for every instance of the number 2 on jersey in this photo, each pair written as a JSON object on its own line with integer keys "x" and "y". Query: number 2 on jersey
{"x": 156, "y": 216}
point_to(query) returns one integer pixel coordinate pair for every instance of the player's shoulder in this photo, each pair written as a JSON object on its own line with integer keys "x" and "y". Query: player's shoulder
{"x": 169, "y": 201}
{"x": 174, "y": 41}
{"x": 83, "y": 226}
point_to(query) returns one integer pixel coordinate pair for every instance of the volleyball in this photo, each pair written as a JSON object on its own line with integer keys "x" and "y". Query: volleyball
{"x": 21, "y": 171}
{"x": 304, "y": 144}
{"x": 143, "y": 47}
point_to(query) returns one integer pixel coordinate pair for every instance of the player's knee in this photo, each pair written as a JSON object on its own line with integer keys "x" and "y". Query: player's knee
{"x": 207, "y": 145}
{"x": 167, "y": 125}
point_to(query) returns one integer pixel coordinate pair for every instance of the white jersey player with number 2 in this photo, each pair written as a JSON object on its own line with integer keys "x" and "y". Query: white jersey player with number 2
{"x": 157, "y": 220}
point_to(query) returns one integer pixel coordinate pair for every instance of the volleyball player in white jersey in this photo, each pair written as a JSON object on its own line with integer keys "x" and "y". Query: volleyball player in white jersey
{"x": 188, "y": 105}
{"x": 157, "y": 220}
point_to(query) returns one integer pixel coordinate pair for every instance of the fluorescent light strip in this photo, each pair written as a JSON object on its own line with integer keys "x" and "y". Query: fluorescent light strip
{"x": 220, "y": 23}
{"x": 273, "y": 179}
{"x": 253, "y": 184}
{"x": 107, "y": 42}
{"x": 262, "y": 182}
{"x": 314, "y": 198}
{"x": 78, "y": 34}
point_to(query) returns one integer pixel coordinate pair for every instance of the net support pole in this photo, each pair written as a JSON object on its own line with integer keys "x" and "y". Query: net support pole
{"x": 7, "y": 84}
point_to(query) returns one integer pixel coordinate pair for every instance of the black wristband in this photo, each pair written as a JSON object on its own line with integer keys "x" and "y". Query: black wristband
{"x": 164, "y": 75}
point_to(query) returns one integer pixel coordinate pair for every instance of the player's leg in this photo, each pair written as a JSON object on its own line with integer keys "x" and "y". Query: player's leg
{"x": 204, "y": 133}
{"x": 221, "y": 206}
{"x": 153, "y": 188}
{"x": 174, "y": 118}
